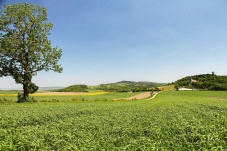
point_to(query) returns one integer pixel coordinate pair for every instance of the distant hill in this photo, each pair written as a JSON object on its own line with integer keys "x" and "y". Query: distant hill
{"x": 128, "y": 86}
{"x": 74, "y": 88}
{"x": 50, "y": 88}
{"x": 204, "y": 81}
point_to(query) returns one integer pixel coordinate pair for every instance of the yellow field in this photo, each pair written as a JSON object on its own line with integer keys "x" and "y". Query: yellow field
{"x": 59, "y": 94}
{"x": 167, "y": 88}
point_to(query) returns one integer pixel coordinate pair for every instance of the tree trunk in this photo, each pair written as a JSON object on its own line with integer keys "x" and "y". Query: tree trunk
{"x": 25, "y": 96}
{"x": 26, "y": 78}
{"x": 26, "y": 91}
{"x": 25, "y": 87}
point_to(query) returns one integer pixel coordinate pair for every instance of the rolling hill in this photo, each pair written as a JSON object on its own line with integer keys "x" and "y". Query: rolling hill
{"x": 204, "y": 81}
{"x": 129, "y": 86}
{"x": 74, "y": 88}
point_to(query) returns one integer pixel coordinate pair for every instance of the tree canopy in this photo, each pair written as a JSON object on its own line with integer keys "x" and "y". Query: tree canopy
{"x": 204, "y": 81}
{"x": 24, "y": 45}
{"x": 74, "y": 88}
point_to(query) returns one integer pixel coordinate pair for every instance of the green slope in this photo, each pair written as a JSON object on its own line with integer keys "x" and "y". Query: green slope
{"x": 74, "y": 88}
{"x": 204, "y": 81}
{"x": 128, "y": 86}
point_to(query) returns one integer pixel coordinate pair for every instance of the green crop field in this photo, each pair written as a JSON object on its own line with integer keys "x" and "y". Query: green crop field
{"x": 174, "y": 120}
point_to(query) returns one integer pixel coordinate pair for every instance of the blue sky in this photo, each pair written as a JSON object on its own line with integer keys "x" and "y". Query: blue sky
{"x": 107, "y": 41}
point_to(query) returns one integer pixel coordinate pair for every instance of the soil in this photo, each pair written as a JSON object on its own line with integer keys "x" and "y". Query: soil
{"x": 138, "y": 97}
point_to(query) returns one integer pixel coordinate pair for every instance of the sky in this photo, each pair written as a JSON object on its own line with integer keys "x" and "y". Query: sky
{"x": 106, "y": 41}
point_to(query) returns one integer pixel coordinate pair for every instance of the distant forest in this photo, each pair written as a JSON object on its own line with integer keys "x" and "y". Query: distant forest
{"x": 74, "y": 88}
{"x": 129, "y": 86}
{"x": 203, "y": 81}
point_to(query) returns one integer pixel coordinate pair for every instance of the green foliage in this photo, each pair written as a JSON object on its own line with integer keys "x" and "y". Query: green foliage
{"x": 6, "y": 101}
{"x": 32, "y": 88}
{"x": 156, "y": 89}
{"x": 24, "y": 45}
{"x": 205, "y": 81}
{"x": 174, "y": 120}
{"x": 20, "y": 98}
{"x": 74, "y": 88}
{"x": 128, "y": 86}
{"x": 176, "y": 87}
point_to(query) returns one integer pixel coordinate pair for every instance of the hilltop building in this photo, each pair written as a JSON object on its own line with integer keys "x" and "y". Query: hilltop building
{"x": 192, "y": 81}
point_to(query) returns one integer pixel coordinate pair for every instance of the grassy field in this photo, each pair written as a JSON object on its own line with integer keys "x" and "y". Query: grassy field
{"x": 167, "y": 88}
{"x": 174, "y": 120}
{"x": 91, "y": 96}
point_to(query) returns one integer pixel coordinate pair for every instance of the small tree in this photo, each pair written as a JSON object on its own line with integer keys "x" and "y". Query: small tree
{"x": 24, "y": 45}
{"x": 176, "y": 87}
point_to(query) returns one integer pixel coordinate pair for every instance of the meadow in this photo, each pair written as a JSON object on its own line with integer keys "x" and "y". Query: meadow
{"x": 174, "y": 120}
{"x": 11, "y": 96}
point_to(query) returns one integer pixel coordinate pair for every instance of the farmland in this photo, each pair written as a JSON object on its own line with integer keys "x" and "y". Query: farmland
{"x": 194, "y": 120}
{"x": 62, "y": 96}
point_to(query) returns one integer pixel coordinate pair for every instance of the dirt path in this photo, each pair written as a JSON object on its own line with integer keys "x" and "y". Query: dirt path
{"x": 146, "y": 95}
{"x": 154, "y": 95}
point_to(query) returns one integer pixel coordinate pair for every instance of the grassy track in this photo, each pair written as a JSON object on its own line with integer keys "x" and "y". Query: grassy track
{"x": 172, "y": 121}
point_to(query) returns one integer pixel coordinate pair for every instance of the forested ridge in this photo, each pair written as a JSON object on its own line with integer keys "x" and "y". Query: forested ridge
{"x": 74, "y": 88}
{"x": 129, "y": 86}
{"x": 204, "y": 81}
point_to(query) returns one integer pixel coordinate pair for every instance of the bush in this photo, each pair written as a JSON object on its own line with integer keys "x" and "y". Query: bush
{"x": 21, "y": 99}
{"x": 78, "y": 99}
{"x": 6, "y": 101}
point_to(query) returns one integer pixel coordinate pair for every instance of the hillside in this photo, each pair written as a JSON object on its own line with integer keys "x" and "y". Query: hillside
{"x": 129, "y": 86}
{"x": 74, "y": 88}
{"x": 204, "y": 81}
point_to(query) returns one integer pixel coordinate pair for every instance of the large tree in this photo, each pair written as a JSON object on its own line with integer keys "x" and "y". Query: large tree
{"x": 24, "y": 45}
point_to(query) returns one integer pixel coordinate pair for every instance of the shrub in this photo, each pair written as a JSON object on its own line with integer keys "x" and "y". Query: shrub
{"x": 21, "y": 98}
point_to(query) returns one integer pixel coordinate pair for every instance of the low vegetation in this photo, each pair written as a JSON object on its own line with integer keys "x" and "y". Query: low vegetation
{"x": 174, "y": 120}
{"x": 61, "y": 97}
